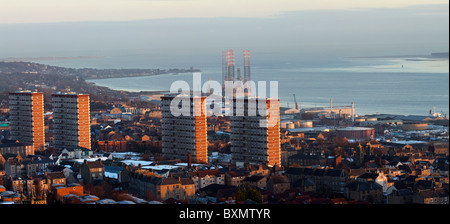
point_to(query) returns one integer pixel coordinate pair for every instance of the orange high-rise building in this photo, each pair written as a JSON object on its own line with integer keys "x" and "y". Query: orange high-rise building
{"x": 27, "y": 118}
{"x": 182, "y": 135}
{"x": 71, "y": 120}
{"x": 255, "y": 138}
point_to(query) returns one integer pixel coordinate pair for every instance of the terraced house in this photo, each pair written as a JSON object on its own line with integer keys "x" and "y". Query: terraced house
{"x": 155, "y": 187}
{"x": 92, "y": 171}
{"x": 331, "y": 181}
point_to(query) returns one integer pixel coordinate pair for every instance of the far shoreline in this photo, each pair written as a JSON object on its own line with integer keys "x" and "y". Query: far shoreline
{"x": 134, "y": 76}
{"x": 34, "y": 59}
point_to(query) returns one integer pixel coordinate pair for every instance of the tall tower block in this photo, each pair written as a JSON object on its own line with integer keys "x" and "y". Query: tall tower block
{"x": 71, "y": 120}
{"x": 250, "y": 142}
{"x": 185, "y": 137}
{"x": 27, "y": 118}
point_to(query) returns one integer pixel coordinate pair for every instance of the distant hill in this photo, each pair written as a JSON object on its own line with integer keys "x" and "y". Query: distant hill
{"x": 15, "y": 76}
{"x": 52, "y": 83}
{"x": 432, "y": 55}
{"x": 85, "y": 73}
{"x": 440, "y": 55}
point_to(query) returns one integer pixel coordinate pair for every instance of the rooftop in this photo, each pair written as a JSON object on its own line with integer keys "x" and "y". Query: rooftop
{"x": 354, "y": 129}
{"x": 314, "y": 129}
{"x": 17, "y": 144}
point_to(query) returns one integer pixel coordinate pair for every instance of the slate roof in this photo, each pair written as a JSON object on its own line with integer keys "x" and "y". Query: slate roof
{"x": 56, "y": 175}
{"x": 306, "y": 157}
{"x": 369, "y": 176}
{"x": 212, "y": 189}
{"x": 294, "y": 171}
{"x": 186, "y": 181}
{"x": 203, "y": 173}
{"x": 279, "y": 179}
{"x": 320, "y": 172}
{"x": 357, "y": 172}
{"x": 113, "y": 169}
{"x": 424, "y": 184}
{"x": 411, "y": 117}
{"x": 314, "y": 172}
{"x": 253, "y": 178}
{"x": 334, "y": 172}
{"x": 411, "y": 178}
{"x": 363, "y": 186}
{"x": 405, "y": 192}
{"x": 236, "y": 174}
{"x": 432, "y": 194}
{"x": 94, "y": 164}
{"x": 169, "y": 181}
{"x": 14, "y": 144}
{"x": 304, "y": 182}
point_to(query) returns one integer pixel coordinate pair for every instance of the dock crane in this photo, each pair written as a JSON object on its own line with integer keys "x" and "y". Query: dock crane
{"x": 296, "y": 104}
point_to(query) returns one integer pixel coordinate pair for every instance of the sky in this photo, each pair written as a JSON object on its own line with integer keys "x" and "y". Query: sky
{"x": 45, "y": 11}
{"x": 30, "y": 28}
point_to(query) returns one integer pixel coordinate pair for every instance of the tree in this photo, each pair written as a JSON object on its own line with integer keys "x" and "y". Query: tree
{"x": 107, "y": 189}
{"x": 98, "y": 191}
{"x": 255, "y": 195}
{"x": 252, "y": 194}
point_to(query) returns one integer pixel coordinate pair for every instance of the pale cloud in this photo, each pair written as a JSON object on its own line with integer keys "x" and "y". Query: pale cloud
{"x": 44, "y": 11}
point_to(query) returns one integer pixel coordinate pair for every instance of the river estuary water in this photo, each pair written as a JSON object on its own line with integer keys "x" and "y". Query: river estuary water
{"x": 408, "y": 86}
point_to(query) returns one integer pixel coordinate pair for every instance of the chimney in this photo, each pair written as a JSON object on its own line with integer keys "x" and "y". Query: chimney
{"x": 331, "y": 105}
{"x": 378, "y": 161}
{"x": 353, "y": 112}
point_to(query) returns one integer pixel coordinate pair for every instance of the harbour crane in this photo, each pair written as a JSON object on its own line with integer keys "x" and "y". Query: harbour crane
{"x": 296, "y": 104}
